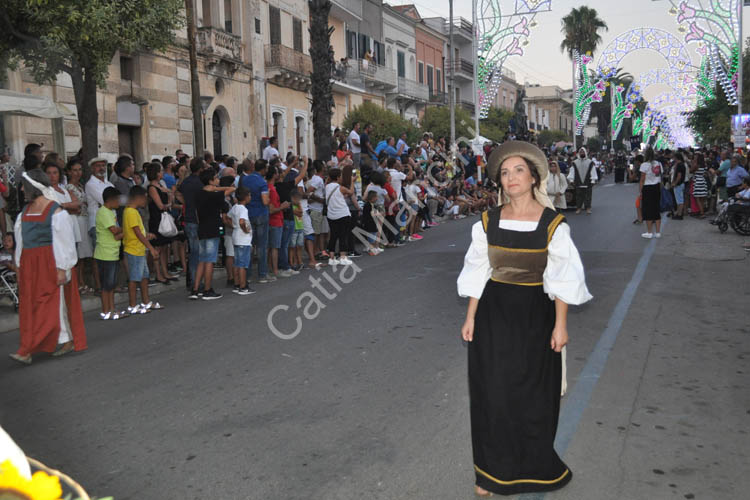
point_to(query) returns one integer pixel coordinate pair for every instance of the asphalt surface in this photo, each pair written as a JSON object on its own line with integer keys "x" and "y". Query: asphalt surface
{"x": 369, "y": 400}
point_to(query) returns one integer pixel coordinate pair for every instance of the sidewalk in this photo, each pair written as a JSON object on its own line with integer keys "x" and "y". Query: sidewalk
{"x": 698, "y": 239}
{"x": 9, "y": 318}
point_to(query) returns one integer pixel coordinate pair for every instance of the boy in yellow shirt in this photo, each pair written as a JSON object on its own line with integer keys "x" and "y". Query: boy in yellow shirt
{"x": 135, "y": 243}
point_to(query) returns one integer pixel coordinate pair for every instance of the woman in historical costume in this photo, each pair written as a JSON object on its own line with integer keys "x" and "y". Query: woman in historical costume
{"x": 51, "y": 319}
{"x": 557, "y": 184}
{"x": 520, "y": 273}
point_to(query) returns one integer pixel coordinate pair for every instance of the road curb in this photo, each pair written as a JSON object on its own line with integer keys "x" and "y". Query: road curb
{"x": 9, "y": 322}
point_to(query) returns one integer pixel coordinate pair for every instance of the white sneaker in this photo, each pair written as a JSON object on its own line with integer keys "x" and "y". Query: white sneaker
{"x": 345, "y": 261}
{"x": 657, "y": 235}
{"x": 648, "y": 236}
{"x": 333, "y": 262}
{"x": 285, "y": 273}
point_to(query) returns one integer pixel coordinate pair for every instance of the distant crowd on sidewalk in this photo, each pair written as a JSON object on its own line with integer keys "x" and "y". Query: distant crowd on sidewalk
{"x": 124, "y": 227}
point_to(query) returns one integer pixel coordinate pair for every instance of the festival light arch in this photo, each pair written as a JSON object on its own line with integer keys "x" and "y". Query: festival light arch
{"x": 500, "y": 36}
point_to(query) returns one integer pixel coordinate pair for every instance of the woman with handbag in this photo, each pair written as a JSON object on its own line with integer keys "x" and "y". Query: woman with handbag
{"x": 158, "y": 209}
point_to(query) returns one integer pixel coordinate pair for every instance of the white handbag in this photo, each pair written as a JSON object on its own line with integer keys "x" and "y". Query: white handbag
{"x": 167, "y": 227}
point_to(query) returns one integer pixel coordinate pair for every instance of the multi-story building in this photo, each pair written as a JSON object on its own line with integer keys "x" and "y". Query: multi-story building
{"x": 145, "y": 109}
{"x": 361, "y": 73}
{"x": 548, "y": 108}
{"x": 507, "y": 91}
{"x": 254, "y": 73}
{"x": 463, "y": 57}
{"x": 409, "y": 96}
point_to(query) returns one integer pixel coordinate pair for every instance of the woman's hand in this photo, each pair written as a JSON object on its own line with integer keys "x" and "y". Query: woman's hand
{"x": 61, "y": 277}
{"x": 467, "y": 331}
{"x": 559, "y": 338}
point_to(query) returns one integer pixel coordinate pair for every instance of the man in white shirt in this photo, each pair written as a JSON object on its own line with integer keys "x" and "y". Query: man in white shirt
{"x": 353, "y": 143}
{"x": 94, "y": 189}
{"x": 271, "y": 150}
{"x": 316, "y": 199}
{"x": 394, "y": 167}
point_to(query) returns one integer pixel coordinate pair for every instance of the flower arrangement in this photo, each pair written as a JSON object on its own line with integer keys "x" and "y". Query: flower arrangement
{"x": 44, "y": 484}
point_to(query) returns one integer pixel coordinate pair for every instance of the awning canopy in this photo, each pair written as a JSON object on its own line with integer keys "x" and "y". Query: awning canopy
{"x": 22, "y": 104}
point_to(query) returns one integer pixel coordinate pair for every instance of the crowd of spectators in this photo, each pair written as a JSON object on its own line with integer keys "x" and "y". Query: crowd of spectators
{"x": 177, "y": 218}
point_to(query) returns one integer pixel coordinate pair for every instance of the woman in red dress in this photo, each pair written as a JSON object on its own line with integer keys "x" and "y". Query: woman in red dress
{"x": 51, "y": 319}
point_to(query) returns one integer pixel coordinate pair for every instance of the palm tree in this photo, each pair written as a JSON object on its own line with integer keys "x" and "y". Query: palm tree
{"x": 580, "y": 29}
{"x": 321, "y": 54}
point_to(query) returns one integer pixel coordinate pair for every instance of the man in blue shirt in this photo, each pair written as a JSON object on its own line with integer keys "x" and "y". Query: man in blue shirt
{"x": 401, "y": 147}
{"x": 189, "y": 189}
{"x": 257, "y": 211}
{"x": 387, "y": 146}
{"x": 735, "y": 173}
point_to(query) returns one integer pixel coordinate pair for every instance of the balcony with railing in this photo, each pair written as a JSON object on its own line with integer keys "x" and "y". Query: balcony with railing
{"x": 287, "y": 67}
{"x": 438, "y": 97}
{"x": 377, "y": 76}
{"x": 467, "y": 105}
{"x": 463, "y": 69}
{"x": 461, "y": 27}
{"x": 412, "y": 89}
{"x": 219, "y": 44}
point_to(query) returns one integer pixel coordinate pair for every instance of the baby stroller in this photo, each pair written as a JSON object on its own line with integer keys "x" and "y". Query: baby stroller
{"x": 8, "y": 283}
{"x": 736, "y": 215}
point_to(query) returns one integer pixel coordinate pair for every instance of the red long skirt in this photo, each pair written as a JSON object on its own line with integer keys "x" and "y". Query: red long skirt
{"x": 39, "y": 303}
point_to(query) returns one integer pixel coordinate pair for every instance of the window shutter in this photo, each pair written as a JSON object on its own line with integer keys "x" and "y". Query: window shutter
{"x": 297, "y": 32}
{"x": 380, "y": 53}
{"x": 401, "y": 64}
{"x": 274, "y": 18}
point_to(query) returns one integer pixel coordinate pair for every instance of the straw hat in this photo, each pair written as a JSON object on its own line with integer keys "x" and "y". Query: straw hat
{"x": 533, "y": 155}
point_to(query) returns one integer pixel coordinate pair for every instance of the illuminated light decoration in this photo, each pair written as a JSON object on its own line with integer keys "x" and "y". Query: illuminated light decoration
{"x": 621, "y": 109}
{"x": 587, "y": 92}
{"x": 714, "y": 26}
{"x": 665, "y": 43}
{"x": 499, "y": 37}
{"x": 705, "y": 81}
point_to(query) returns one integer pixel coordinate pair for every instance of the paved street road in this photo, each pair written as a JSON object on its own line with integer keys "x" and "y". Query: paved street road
{"x": 370, "y": 399}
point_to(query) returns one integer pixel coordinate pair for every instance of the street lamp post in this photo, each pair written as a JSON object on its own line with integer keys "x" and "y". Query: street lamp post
{"x": 205, "y": 103}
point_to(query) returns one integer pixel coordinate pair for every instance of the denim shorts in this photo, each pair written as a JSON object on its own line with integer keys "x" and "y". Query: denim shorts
{"x": 679, "y": 194}
{"x": 208, "y": 250}
{"x": 108, "y": 273}
{"x": 297, "y": 239}
{"x": 242, "y": 256}
{"x": 137, "y": 267}
{"x": 274, "y": 236}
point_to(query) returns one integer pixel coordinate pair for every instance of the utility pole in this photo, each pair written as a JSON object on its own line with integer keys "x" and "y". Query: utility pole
{"x": 475, "y": 44}
{"x": 575, "y": 98}
{"x": 451, "y": 81}
{"x": 195, "y": 89}
{"x": 741, "y": 41}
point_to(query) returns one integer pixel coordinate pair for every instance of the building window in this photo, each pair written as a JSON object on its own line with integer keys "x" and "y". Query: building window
{"x": 430, "y": 82}
{"x": 297, "y": 34}
{"x": 127, "y": 68}
{"x": 378, "y": 53}
{"x": 351, "y": 44}
{"x": 439, "y": 78}
{"x": 274, "y": 21}
{"x": 364, "y": 45}
{"x": 401, "y": 63}
{"x": 257, "y": 26}
{"x": 228, "y": 16}
{"x": 420, "y": 72}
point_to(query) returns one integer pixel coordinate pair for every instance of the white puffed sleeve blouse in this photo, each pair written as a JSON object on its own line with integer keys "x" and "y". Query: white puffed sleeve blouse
{"x": 564, "y": 277}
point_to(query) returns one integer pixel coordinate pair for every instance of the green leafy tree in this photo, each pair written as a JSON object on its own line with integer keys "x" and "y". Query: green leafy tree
{"x": 437, "y": 119}
{"x": 385, "y": 123}
{"x": 80, "y": 38}
{"x": 594, "y": 144}
{"x": 495, "y": 126}
{"x": 549, "y": 137}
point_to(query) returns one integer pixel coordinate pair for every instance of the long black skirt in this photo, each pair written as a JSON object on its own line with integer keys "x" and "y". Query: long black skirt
{"x": 651, "y": 202}
{"x": 514, "y": 387}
